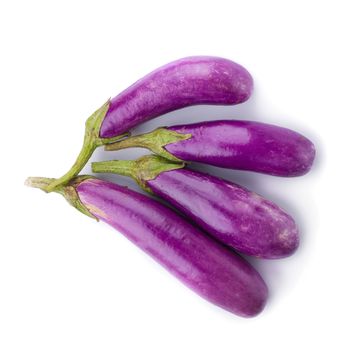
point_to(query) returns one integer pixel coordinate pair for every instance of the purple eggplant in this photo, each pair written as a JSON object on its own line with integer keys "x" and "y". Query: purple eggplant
{"x": 233, "y": 144}
{"x": 185, "y": 82}
{"x": 237, "y": 217}
{"x": 204, "y": 265}
{"x": 188, "y": 81}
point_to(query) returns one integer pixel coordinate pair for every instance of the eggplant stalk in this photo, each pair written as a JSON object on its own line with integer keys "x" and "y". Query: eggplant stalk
{"x": 92, "y": 140}
{"x": 155, "y": 141}
{"x": 68, "y": 191}
{"x": 141, "y": 170}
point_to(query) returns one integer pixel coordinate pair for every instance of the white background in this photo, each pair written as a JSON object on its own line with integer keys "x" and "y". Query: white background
{"x": 67, "y": 282}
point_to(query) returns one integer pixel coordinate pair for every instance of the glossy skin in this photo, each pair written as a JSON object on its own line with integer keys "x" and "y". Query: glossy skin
{"x": 245, "y": 145}
{"x": 185, "y": 82}
{"x": 232, "y": 214}
{"x": 207, "y": 267}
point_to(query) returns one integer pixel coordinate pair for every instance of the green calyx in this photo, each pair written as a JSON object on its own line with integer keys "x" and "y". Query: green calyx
{"x": 92, "y": 140}
{"x": 68, "y": 191}
{"x": 141, "y": 170}
{"x": 155, "y": 141}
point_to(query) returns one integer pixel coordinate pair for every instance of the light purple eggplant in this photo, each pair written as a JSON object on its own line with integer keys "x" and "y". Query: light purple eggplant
{"x": 237, "y": 217}
{"x": 185, "y": 82}
{"x": 204, "y": 265}
{"x": 233, "y": 144}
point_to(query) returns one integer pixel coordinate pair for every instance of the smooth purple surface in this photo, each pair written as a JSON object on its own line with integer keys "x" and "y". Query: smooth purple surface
{"x": 185, "y": 82}
{"x": 245, "y": 145}
{"x": 207, "y": 267}
{"x": 237, "y": 217}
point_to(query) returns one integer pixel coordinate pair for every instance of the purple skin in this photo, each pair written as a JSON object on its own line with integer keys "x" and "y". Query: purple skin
{"x": 204, "y": 265}
{"x": 185, "y": 82}
{"x": 188, "y": 81}
{"x": 237, "y": 217}
{"x": 245, "y": 145}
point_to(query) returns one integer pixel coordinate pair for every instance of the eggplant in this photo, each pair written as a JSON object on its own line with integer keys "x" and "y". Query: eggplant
{"x": 185, "y": 82}
{"x": 233, "y": 144}
{"x": 207, "y": 267}
{"x": 237, "y": 217}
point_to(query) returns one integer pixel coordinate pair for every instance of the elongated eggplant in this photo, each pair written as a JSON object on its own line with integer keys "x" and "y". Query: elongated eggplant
{"x": 204, "y": 265}
{"x": 234, "y": 144}
{"x": 185, "y": 82}
{"x": 237, "y": 217}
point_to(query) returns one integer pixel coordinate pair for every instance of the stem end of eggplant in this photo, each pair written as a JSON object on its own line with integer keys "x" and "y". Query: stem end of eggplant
{"x": 92, "y": 140}
{"x": 39, "y": 182}
{"x": 155, "y": 141}
{"x": 141, "y": 170}
{"x": 68, "y": 191}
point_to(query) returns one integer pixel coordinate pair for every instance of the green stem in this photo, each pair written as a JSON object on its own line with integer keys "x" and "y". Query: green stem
{"x": 69, "y": 191}
{"x": 141, "y": 170}
{"x": 86, "y": 152}
{"x": 39, "y": 182}
{"x": 120, "y": 167}
{"x": 155, "y": 141}
{"x": 92, "y": 140}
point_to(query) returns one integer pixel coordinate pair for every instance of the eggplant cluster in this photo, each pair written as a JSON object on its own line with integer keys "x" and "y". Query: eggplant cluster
{"x": 218, "y": 219}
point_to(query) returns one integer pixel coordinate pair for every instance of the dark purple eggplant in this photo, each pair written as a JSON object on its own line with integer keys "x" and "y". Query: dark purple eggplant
{"x": 234, "y": 144}
{"x": 237, "y": 217}
{"x": 204, "y": 265}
